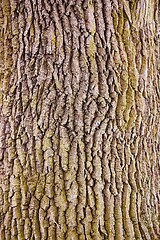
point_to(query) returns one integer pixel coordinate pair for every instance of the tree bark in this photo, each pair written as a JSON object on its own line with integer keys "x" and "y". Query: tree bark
{"x": 80, "y": 122}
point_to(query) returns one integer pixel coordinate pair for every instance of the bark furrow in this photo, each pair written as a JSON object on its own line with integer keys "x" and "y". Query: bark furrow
{"x": 79, "y": 120}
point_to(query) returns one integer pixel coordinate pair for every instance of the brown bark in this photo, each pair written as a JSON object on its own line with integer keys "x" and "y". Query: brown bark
{"x": 79, "y": 120}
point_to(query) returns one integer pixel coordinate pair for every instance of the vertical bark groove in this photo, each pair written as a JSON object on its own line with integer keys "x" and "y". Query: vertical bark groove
{"x": 79, "y": 116}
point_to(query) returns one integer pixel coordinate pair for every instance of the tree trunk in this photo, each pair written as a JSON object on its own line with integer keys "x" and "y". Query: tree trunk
{"x": 80, "y": 123}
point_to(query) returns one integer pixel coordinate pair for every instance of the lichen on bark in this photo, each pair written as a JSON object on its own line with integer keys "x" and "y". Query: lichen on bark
{"x": 79, "y": 120}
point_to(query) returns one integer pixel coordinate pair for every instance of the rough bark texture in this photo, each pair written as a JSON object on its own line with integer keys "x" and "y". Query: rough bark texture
{"x": 80, "y": 128}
